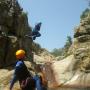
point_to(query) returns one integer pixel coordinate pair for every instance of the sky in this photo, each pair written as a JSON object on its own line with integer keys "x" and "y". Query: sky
{"x": 58, "y": 17}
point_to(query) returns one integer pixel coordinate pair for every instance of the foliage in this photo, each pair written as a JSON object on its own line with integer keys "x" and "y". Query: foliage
{"x": 24, "y": 14}
{"x": 68, "y": 43}
{"x": 36, "y": 48}
{"x": 85, "y": 13}
{"x": 57, "y": 52}
{"x": 63, "y": 51}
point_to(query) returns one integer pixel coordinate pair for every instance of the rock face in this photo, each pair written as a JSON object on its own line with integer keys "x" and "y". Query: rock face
{"x": 74, "y": 70}
{"x": 13, "y": 28}
{"x": 43, "y": 58}
{"x": 81, "y": 45}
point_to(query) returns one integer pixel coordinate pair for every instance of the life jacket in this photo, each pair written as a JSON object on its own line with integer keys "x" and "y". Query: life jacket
{"x": 21, "y": 70}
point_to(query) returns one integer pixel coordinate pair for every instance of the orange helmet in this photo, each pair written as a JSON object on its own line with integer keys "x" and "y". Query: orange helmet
{"x": 20, "y": 54}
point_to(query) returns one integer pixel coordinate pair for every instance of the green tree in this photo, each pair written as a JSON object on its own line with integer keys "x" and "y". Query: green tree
{"x": 63, "y": 51}
{"x": 68, "y": 43}
{"x": 57, "y": 52}
{"x": 85, "y": 13}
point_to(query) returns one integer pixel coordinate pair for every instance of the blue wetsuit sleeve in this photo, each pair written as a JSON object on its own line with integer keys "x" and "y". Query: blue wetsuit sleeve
{"x": 14, "y": 79}
{"x": 38, "y": 82}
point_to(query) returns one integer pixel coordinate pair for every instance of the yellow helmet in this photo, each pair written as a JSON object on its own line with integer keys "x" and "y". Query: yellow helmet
{"x": 20, "y": 54}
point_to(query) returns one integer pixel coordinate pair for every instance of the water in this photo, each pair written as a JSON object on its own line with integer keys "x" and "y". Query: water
{"x": 87, "y": 88}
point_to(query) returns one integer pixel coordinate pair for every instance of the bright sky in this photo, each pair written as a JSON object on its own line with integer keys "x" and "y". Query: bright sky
{"x": 58, "y": 17}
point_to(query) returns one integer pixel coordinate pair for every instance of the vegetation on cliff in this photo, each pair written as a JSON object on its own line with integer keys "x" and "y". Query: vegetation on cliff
{"x": 63, "y": 52}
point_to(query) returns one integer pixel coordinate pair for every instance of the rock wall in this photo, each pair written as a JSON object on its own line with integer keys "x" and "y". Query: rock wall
{"x": 13, "y": 28}
{"x": 74, "y": 70}
{"x": 81, "y": 45}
